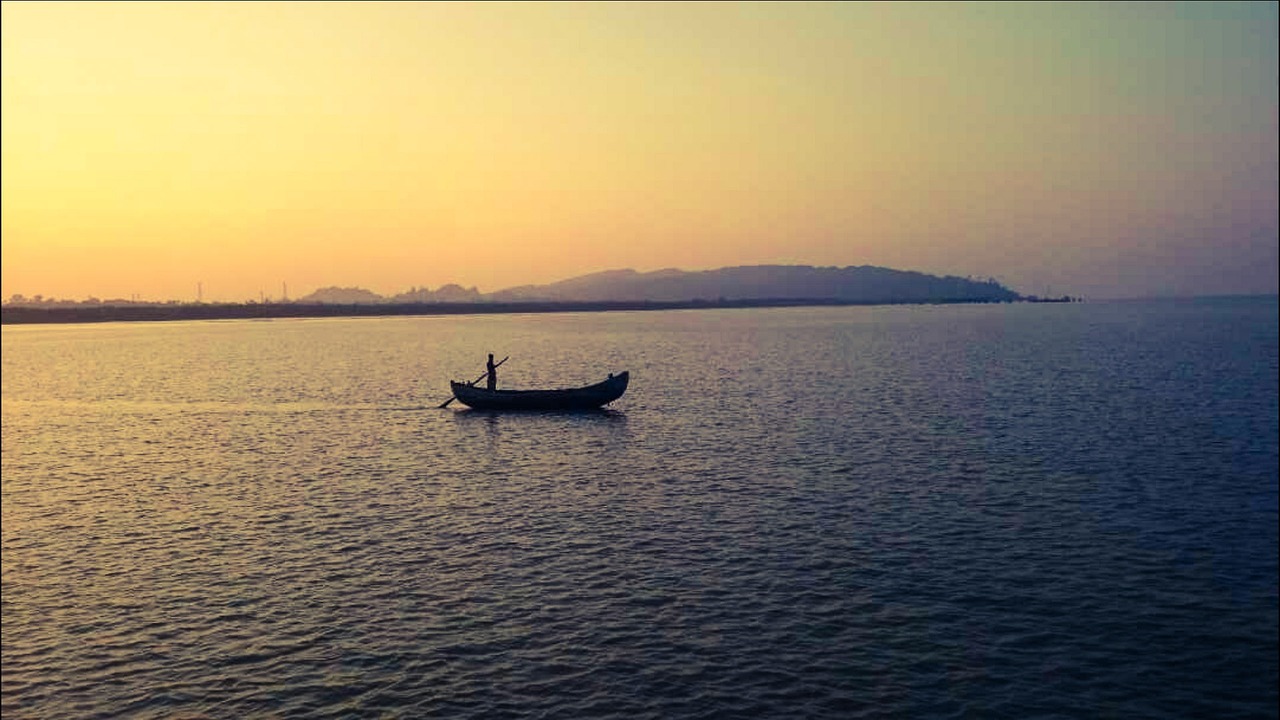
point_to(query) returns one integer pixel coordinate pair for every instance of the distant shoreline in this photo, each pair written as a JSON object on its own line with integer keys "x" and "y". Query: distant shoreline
{"x": 26, "y": 314}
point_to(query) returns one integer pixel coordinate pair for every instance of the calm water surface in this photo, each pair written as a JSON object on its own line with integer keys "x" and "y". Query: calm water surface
{"x": 991, "y": 511}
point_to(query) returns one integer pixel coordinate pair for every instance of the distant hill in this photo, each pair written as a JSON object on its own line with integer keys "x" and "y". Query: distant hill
{"x": 341, "y": 296}
{"x": 749, "y": 286}
{"x": 860, "y": 284}
{"x": 791, "y": 282}
{"x": 450, "y": 293}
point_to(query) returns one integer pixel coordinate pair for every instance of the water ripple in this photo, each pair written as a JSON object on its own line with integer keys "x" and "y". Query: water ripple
{"x": 988, "y": 512}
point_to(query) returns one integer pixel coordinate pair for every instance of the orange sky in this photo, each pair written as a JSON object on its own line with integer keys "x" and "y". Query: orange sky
{"x": 1101, "y": 149}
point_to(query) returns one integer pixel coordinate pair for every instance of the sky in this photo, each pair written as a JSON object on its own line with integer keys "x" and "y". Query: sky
{"x": 166, "y": 150}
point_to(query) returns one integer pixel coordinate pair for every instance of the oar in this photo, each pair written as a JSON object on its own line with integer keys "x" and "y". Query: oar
{"x": 445, "y": 404}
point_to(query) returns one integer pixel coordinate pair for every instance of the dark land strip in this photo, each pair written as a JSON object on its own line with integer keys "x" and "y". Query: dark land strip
{"x": 24, "y": 314}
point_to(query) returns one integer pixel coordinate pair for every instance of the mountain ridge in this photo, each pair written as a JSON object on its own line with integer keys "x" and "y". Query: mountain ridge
{"x": 861, "y": 283}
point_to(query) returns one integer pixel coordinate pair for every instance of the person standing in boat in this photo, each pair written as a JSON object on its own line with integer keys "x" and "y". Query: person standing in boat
{"x": 492, "y": 373}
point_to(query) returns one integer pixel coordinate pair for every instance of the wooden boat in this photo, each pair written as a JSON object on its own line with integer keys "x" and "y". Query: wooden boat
{"x": 583, "y": 398}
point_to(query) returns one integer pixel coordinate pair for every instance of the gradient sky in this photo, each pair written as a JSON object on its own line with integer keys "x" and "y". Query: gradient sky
{"x": 1104, "y": 150}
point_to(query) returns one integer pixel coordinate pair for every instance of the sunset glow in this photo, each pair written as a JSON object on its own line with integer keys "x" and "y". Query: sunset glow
{"x": 1096, "y": 149}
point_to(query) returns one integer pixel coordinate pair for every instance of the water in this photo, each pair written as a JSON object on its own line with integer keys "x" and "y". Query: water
{"x": 987, "y": 511}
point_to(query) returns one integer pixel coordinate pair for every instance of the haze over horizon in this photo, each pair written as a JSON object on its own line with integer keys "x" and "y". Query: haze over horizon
{"x": 1102, "y": 150}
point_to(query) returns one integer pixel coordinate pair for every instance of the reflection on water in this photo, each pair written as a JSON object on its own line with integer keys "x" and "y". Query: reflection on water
{"x": 551, "y": 419}
{"x": 998, "y": 511}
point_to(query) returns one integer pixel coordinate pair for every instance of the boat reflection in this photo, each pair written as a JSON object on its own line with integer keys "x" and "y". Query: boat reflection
{"x": 493, "y": 417}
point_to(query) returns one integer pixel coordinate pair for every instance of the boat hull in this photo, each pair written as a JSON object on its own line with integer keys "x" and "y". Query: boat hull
{"x": 583, "y": 398}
